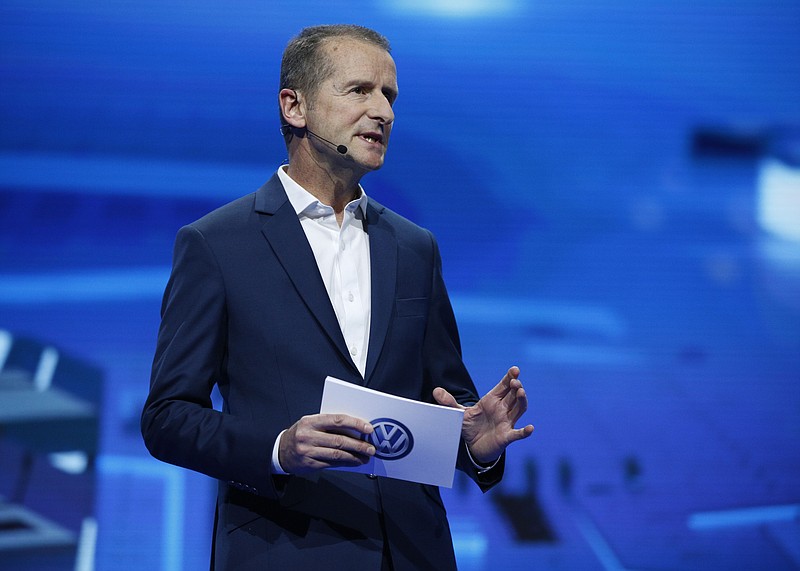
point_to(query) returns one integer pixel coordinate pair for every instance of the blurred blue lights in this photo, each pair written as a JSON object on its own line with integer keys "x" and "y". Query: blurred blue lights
{"x": 754, "y": 516}
{"x": 81, "y": 286}
{"x": 649, "y": 293}
{"x": 456, "y": 8}
{"x": 779, "y": 199}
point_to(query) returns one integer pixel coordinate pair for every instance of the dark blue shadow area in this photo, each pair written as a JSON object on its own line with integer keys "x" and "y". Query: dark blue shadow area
{"x": 606, "y": 181}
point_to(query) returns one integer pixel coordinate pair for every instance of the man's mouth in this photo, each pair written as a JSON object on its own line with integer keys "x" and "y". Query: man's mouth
{"x": 372, "y": 137}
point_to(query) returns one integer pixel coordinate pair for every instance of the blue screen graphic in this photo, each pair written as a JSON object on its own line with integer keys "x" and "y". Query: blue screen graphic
{"x": 615, "y": 188}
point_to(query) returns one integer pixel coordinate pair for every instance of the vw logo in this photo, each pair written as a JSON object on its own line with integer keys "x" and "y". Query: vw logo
{"x": 391, "y": 438}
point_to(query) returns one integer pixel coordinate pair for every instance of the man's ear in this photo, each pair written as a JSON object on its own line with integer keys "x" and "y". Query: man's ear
{"x": 292, "y": 108}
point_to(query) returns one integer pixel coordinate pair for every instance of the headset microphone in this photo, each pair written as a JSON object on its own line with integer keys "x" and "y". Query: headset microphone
{"x": 341, "y": 149}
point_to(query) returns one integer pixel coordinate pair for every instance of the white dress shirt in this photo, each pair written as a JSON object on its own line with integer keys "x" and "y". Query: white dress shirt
{"x": 342, "y": 255}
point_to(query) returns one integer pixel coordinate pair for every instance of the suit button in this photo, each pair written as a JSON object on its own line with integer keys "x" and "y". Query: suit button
{"x": 372, "y": 476}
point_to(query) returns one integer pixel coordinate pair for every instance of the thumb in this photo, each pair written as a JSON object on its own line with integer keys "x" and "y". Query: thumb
{"x": 444, "y": 398}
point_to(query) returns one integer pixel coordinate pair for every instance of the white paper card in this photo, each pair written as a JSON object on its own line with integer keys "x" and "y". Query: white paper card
{"x": 415, "y": 441}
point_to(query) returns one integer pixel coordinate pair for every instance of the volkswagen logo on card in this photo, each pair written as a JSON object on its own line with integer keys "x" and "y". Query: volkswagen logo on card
{"x": 392, "y": 439}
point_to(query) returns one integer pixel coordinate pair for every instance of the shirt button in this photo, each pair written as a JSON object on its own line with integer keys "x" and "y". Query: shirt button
{"x": 353, "y": 351}
{"x": 341, "y": 246}
{"x": 350, "y": 296}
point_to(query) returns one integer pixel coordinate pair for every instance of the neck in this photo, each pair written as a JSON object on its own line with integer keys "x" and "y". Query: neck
{"x": 332, "y": 185}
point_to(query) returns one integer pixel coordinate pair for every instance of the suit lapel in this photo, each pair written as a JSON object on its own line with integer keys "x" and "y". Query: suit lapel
{"x": 383, "y": 266}
{"x": 285, "y": 235}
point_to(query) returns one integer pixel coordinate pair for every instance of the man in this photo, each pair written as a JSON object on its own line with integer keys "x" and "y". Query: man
{"x": 306, "y": 278}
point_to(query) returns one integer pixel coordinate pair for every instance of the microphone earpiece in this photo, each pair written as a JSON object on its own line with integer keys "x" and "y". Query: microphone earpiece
{"x": 341, "y": 149}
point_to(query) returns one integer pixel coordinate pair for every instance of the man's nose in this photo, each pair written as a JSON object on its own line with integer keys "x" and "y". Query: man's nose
{"x": 382, "y": 111}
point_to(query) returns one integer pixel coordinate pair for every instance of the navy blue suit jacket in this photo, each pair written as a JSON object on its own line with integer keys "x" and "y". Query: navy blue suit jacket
{"x": 246, "y": 309}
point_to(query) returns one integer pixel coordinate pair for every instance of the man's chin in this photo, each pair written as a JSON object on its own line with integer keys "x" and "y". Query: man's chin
{"x": 371, "y": 165}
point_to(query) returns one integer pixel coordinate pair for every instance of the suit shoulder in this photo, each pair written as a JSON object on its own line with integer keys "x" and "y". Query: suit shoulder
{"x": 402, "y": 225}
{"x": 231, "y": 214}
{"x": 243, "y": 213}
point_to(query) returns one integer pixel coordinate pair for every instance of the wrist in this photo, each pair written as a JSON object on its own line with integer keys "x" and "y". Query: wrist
{"x": 276, "y": 461}
{"x": 481, "y": 465}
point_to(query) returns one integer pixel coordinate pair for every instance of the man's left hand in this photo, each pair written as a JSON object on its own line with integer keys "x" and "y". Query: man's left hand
{"x": 489, "y": 424}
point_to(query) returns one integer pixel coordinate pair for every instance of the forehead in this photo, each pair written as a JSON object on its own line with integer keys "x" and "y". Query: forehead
{"x": 352, "y": 57}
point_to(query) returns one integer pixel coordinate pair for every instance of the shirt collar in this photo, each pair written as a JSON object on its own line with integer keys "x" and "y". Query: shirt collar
{"x": 306, "y": 204}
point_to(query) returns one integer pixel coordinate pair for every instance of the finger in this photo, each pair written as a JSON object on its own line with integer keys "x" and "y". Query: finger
{"x": 520, "y": 433}
{"x": 316, "y": 432}
{"x": 332, "y": 453}
{"x": 520, "y": 406}
{"x": 511, "y": 375}
{"x": 340, "y": 423}
{"x": 513, "y": 395}
{"x": 326, "y": 458}
{"x": 345, "y": 444}
{"x": 444, "y": 398}
{"x": 516, "y": 404}
{"x": 509, "y": 381}
{"x": 304, "y": 448}
{"x": 519, "y": 398}
{"x": 339, "y": 457}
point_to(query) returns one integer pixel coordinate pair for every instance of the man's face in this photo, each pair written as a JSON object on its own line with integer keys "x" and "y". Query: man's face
{"x": 353, "y": 106}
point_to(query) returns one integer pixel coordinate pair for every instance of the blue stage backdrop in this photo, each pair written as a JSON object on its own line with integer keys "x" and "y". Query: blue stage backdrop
{"x": 616, "y": 191}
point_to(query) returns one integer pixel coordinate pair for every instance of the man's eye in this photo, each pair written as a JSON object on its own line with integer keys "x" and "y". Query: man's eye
{"x": 359, "y": 90}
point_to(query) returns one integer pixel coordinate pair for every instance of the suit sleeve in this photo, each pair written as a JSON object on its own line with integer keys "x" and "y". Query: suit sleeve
{"x": 445, "y": 368}
{"x": 179, "y": 425}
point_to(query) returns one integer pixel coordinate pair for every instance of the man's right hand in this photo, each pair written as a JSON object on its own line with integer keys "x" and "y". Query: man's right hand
{"x": 320, "y": 441}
